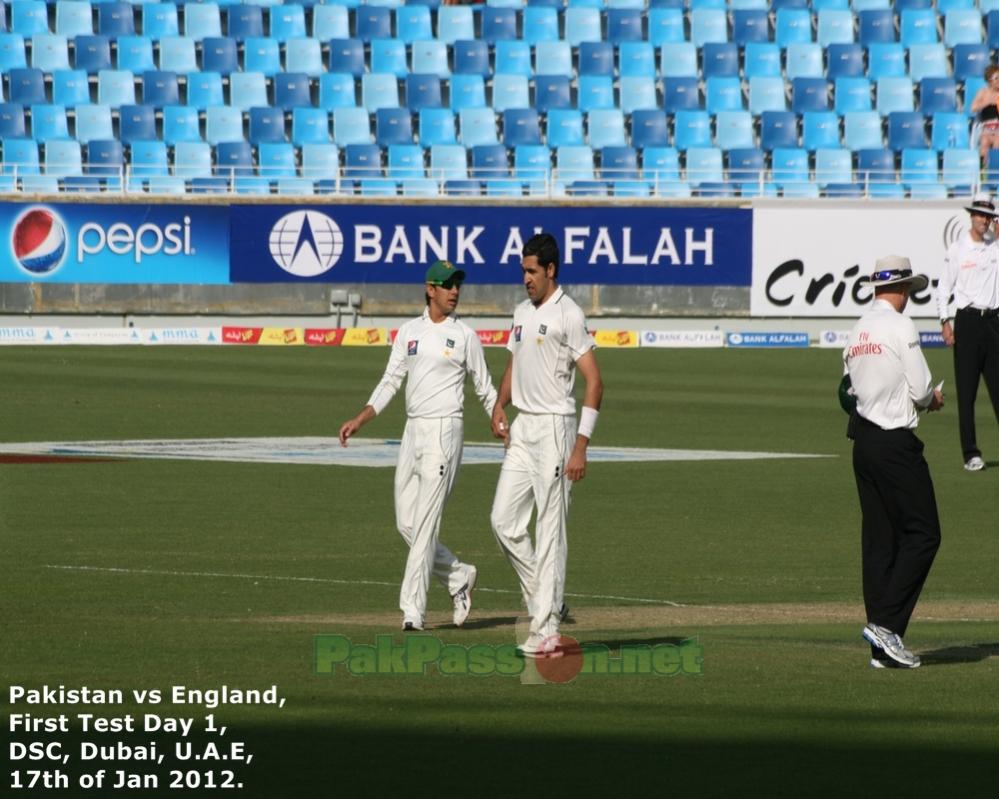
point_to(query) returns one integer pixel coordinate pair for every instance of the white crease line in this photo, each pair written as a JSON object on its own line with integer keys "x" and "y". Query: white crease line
{"x": 238, "y": 576}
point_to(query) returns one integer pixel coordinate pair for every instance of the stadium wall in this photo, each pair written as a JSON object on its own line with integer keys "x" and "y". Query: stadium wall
{"x": 765, "y": 259}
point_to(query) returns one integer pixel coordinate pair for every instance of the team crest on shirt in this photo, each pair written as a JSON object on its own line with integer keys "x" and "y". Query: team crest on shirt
{"x": 516, "y": 332}
{"x": 543, "y": 329}
{"x": 449, "y": 344}
{"x": 411, "y": 347}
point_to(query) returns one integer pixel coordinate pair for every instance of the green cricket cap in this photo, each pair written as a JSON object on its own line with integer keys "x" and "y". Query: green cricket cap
{"x": 441, "y": 272}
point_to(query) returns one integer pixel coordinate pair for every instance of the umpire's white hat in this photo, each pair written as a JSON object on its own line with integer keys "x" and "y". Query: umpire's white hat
{"x": 982, "y": 204}
{"x": 894, "y": 270}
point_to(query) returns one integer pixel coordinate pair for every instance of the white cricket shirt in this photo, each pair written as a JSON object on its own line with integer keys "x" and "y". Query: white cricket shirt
{"x": 887, "y": 368}
{"x": 546, "y": 342}
{"x": 436, "y": 358}
{"x": 971, "y": 274}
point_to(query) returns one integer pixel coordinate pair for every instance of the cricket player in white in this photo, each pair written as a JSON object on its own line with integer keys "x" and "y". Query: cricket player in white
{"x": 436, "y": 352}
{"x": 545, "y": 451}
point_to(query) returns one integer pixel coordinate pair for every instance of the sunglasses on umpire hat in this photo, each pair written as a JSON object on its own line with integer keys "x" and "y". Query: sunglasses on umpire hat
{"x": 892, "y": 274}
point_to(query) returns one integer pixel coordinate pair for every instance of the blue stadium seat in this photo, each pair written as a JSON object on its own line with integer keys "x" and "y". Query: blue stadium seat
{"x": 26, "y": 86}
{"x": 708, "y": 25}
{"x": 455, "y": 22}
{"x": 894, "y": 94}
{"x": 595, "y": 58}
{"x": 574, "y": 162}
{"x": 809, "y": 94}
{"x": 209, "y": 185}
{"x": 331, "y": 22}
{"x": 803, "y": 60}
{"x": 115, "y": 87}
{"x": 937, "y": 94}
{"x": 555, "y": 58}
{"x": 467, "y": 91}
{"x": 949, "y": 130}
{"x": 605, "y": 128}
{"x": 678, "y": 60}
{"x": 845, "y": 61}
{"x": 766, "y": 94}
{"x": 62, "y": 158}
{"x": 820, "y": 130}
{"x": 192, "y": 159}
{"x": 286, "y": 22}
{"x": 147, "y": 158}
{"x": 202, "y": 20}
{"x": 513, "y": 57}
{"x": 351, "y": 126}
{"x": 336, "y": 90}
{"x": 393, "y": 126}
{"x": 962, "y": 26}
{"x": 778, "y": 129}
{"x": 70, "y": 87}
{"x": 223, "y": 124}
{"x": 509, "y": 91}
{"x": 750, "y": 25}
{"x": 691, "y": 129}
{"x": 244, "y": 21}
{"x": 734, "y": 130}
{"x": 303, "y": 55}
{"x": 422, "y": 91}
{"x": 373, "y": 22}
{"x": 405, "y": 162}
{"x": 115, "y": 19}
{"x": 834, "y": 26}
{"x": 180, "y": 124}
{"x": 762, "y": 60}
{"x": 49, "y": 52}
{"x": 531, "y": 162}
{"x": 970, "y": 60}
{"x": 661, "y": 164}
{"x": 498, "y": 23}
{"x": 960, "y": 168}
{"x": 564, "y": 127}
{"x": 852, "y": 191}
{"x": 862, "y": 130}
{"x": 309, "y": 126}
{"x": 219, "y": 54}
{"x": 73, "y": 18}
{"x": 789, "y": 166}
{"x": 540, "y": 24}
{"x": 720, "y": 94}
{"x": 106, "y": 158}
{"x": 266, "y": 125}
{"x": 416, "y": 187}
{"x": 906, "y": 129}
{"x": 918, "y": 26}
{"x": 793, "y": 25}
{"x": 971, "y": 88}
{"x": 448, "y": 162}
{"x": 260, "y": 54}
{"x": 489, "y": 161}
{"x": 437, "y": 126}
{"x": 276, "y": 160}
{"x": 20, "y": 157}
{"x": 29, "y": 17}
{"x": 379, "y": 90}
{"x": 159, "y": 20}
{"x": 412, "y": 23}
{"x": 135, "y": 54}
{"x": 624, "y": 25}
{"x": 928, "y": 61}
{"x": 477, "y": 126}
{"x": 12, "y": 54}
{"x": 745, "y": 164}
{"x": 886, "y": 61}
{"x": 320, "y": 160}
{"x": 703, "y": 165}
{"x": 992, "y": 29}
{"x": 347, "y": 56}
{"x": 550, "y": 91}
{"x": 471, "y": 58}
{"x": 594, "y": 92}
{"x": 292, "y": 90}
{"x": 233, "y": 159}
{"x": 852, "y": 94}
{"x": 665, "y": 25}
{"x": 720, "y": 60}
{"x": 91, "y": 53}
{"x": 919, "y": 165}
{"x": 135, "y": 123}
{"x": 12, "y": 121}
{"x": 388, "y": 56}
{"x": 246, "y": 90}
{"x": 204, "y": 89}
{"x": 619, "y": 163}
{"x": 876, "y": 26}
{"x": 431, "y": 57}
{"x": 165, "y": 184}
{"x": 582, "y": 25}
{"x": 635, "y": 60}
{"x": 649, "y": 128}
{"x": 681, "y": 94}
{"x": 521, "y": 126}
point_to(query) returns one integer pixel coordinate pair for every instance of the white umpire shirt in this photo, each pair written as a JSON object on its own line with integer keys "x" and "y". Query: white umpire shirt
{"x": 546, "y": 342}
{"x": 436, "y": 358}
{"x": 971, "y": 274}
{"x": 889, "y": 373}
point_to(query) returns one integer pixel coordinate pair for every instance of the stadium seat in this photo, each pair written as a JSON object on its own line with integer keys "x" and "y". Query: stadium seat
{"x": 678, "y": 60}
{"x": 448, "y": 162}
{"x": 594, "y": 92}
{"x": 29, "y": 17}
{"x": 309, "y": 126}
{"x": 564, "y": 128}
{"x": 259, "y": 55}
{"x": 681, "y": 94}
{"x": 745, "y": 164}
{"x": 498, "y": 23}
{"x": 792, "y": 25}
{"x": 180, "y": 124}
{"x": 331, "y": 22}
{"x": 803, "y": 60}
{"x": 373, "y": 22}
{"x": 192, "y": 159}
{"x": 351, "y": 126}
{"x": 820, "y": 130}
{"x": 393, "y": 126}
{"x": 244, "y": 21}
{"x": 49, "y": 52}
{"x": 489, "y": 161}
{"x": 455, "y": 22}
{"x": 540, "y": 24}
{"x": 918, "y": 26}
{"x": 266, "y": 125}
{"x": 703, "y": 165}
{"x": 692, "y": 129}
{"x": 115, "y": 19}
{"x": 949, "y": 130}
{"x": 595, "y": 58}
{"x": 531, "y": 162}
{"x": 582, "y": 25}
{"x": 422, "y": 91}
{"x": 789, "y": 166}
{"x": 135, "y": 123}
{"x": 734, "y": 130}
{"x": 115, "y": 87}
{"x": 347, "y": 57}
{"x": 62, "y": 158}
{"x": 513, "y": 57}
{"x": 12, "y": 121}
{"x": 661, "y": 164}
{"x": 845, "y": 61}
{"x": 521, "y": 126}
{"x": 750, "y": 25}
{"x": 388, "y": 56}
{"x": 962, "y": 26}
{"x": 159, "y": 20}
{"x": 636, "y": 60}
{"x": 292, "y": 90}
{"x": 336, "y": 90}
{"x": 886, "y": 61}
{"x": 834, "y": 26}
{"x": 720, "y": 60}
{"x": 223, "y": 124}
{"x": 894, "y": 94}
{"x": 233, "y": 159}
{"x": 437, "y": 126}
{"x": 48, "y": 122}
{"x": 919, "y": 165}
{"x": 852, "y": 94}
{"x": 73, "y": 18}
{"x": 605, "y": 128}
{"x": 467, "y": 91}
{"x": 875, "y": 165}
{"x": 379, "y": 90}
{"x": 431, "y": 57}
{"x": 665, "y": 25}
{"x": 219, "y": 54}
{"x": 906, "y": 129}
{"x": 509, "y": 91}
{"x": 970, "y": 60}
{"x": 720, "y": 94}
{"x": 106, "y": 159}
{"x": 762, "y": 60}
{"x": 412, "y": 24}
{"x": 20, "y": 157}
{"x": 862, "y": 130}
{"x": 471, "y": 58}
{"x": 405, "y": 161}
{"x": 619, "y": 163}
{"x": 70, "y": 87}
{"x": 247, "y": 89}
{"x": 320, "y": 160}
{"x": 937, "y": 94}
{"x": 287, "y": 21}
{"x": 202, "y": 20}
{"x": 778, "y": 129}
{"x": 960, "y": 167}
{"x": 12, "y": 55}
{"x": 555, "y": 58}
{"x": 204, "y": 89}
{"x": 550, "y": 91}
{"x": 809, "y": 94}
{"x": 574, "y": 162}
{"x": 875, "y": 25}
{"x": 304, "y": 56}
{"x": 477, "y": 126}
{"x": 624, "y": 25}
{"x": 766, "y": 94}
{"x": 26, "y": 86}
{"x": 928, "y": 61}
{"x": 147, "y": 158}
{"x": 276, "y": 160}
{"x": 649, "y": 128}
{"x": 640, "y": 93}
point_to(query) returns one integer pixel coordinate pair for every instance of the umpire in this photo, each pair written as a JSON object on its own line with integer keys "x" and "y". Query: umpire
{"x": 971, "y": 275}
{"x": 901, "y": 529}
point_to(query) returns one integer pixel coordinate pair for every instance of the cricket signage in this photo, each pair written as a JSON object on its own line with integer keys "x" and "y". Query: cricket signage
{"x": 815, "y": 261}
{"x": 394, "y": 243}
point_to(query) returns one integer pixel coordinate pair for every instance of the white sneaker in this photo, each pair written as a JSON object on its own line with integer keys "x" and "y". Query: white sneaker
{"x": 974, "y": 464}
{"x": 891, "y": 644}
{"x": 463, "y": 599}
{"x": 540, "y": 646}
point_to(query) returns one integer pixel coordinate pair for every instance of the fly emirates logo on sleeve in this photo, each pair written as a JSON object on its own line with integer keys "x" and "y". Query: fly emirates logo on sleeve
{"x": 865, "y": 347}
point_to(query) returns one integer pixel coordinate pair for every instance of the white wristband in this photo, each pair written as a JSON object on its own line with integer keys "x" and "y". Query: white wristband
{"x": 587, "y": 421}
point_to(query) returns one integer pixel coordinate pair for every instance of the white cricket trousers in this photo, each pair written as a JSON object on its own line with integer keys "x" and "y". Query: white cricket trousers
{"x": 533, "y": 475}
{"x": 429, "y": 457}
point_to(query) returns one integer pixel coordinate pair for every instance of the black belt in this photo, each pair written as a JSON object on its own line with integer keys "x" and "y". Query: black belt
{"x": 983, "y": 312}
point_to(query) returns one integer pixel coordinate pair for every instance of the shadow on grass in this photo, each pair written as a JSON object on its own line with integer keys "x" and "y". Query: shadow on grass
{"x": 971, "y": 653}
{"x": 617, "y": 643}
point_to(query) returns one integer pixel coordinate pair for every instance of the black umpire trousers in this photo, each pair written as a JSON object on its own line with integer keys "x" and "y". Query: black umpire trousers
{"x": 901, "y": 528}
{"x": 976, "y": 353}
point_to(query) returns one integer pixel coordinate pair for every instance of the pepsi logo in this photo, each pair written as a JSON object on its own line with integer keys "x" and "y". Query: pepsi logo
{"x": 306, "y": 243}
{"x": 39, "y": 241}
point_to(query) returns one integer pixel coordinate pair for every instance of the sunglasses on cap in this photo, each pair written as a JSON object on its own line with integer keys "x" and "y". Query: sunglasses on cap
{"x": 891, "y": 274}
{"x": 450, "y": 283}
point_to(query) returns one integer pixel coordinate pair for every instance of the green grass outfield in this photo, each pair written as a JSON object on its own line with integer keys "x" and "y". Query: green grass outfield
{"x": 786, "y": 704}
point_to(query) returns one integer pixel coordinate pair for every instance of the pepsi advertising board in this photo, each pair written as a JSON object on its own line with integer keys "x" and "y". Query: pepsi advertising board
{"x": 83, "y": 243}
{"x": 394, "y": 244}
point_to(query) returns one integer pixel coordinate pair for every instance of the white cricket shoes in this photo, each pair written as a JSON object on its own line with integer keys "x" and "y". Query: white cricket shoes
{"x": 891, "y": 644}
{"x": 541, "y": 646}
{"x": 974, "y": 464}
{"x": 463, "y": 599}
